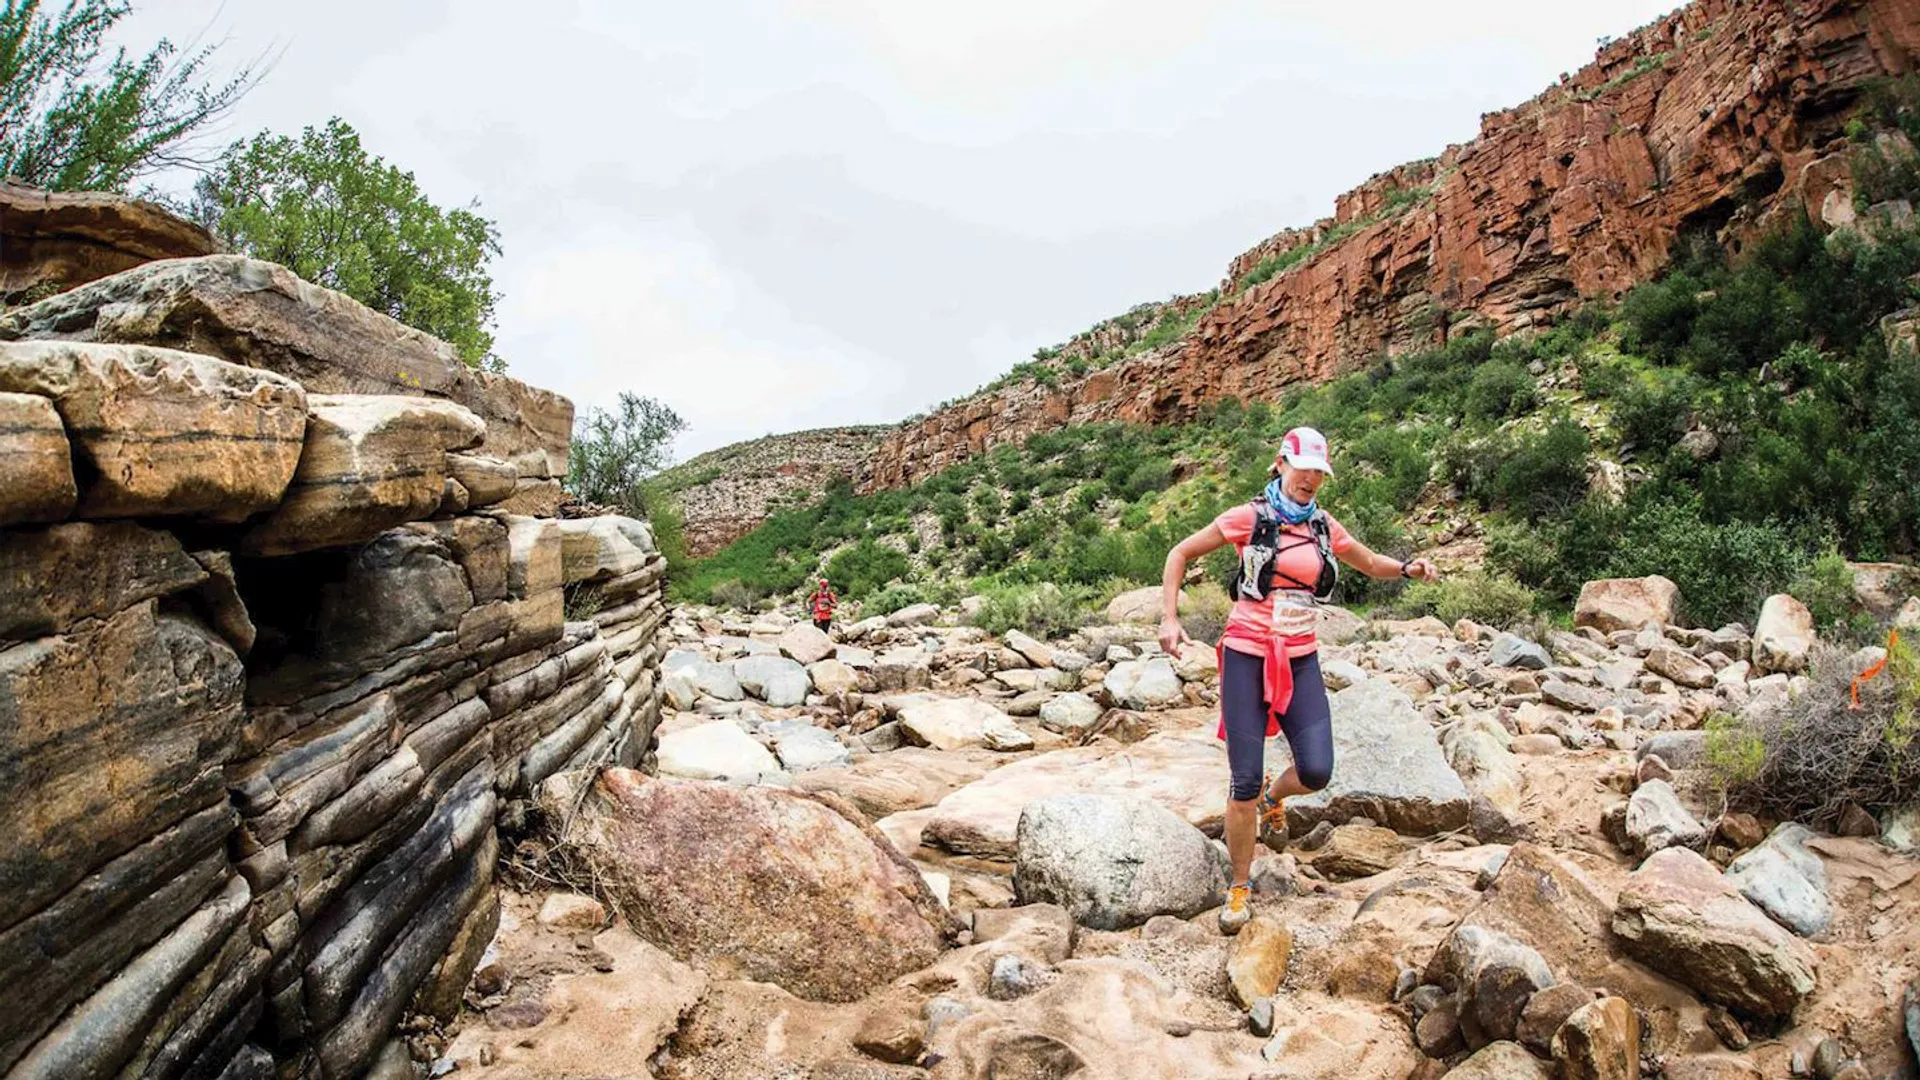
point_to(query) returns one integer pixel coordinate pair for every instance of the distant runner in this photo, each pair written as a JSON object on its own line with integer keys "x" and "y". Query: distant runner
{"x": 1269, "y": 667}
{"x": 821, "y": 604}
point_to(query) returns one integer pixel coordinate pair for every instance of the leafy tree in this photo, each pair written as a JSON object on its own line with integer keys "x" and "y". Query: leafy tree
{"x": 338, "y": 216}
{"x": 70, "y": 120}
{"x": 613, "y": 452}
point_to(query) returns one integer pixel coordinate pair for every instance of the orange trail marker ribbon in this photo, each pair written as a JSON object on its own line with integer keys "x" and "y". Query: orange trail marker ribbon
{"x": 1893, "y": 639}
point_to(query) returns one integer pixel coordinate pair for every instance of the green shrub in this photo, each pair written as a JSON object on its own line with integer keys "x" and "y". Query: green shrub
{"x": 1499, "y": 389}
{"x": 1493, "y": 599}
{"x": 1736, "y": 753}
{"x": 1825, "y": 585}
{"x": 1044, "y": 610}
{"x": 892, "y": 599}
{"x": 1204, "y": 615}
{"x": 1533, "y": 474}
{"x": 864, "y": 568}
{"x": 734, "y": 594}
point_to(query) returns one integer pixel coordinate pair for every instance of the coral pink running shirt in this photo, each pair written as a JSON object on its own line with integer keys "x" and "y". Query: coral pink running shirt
{"x": 1288, "y": 613}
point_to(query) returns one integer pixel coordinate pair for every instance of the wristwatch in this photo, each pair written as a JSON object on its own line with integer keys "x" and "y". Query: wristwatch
{"x": 1403, "y": 570}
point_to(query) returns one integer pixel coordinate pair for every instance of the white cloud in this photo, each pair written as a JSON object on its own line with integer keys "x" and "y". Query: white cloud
{"x": 777, "y": 214}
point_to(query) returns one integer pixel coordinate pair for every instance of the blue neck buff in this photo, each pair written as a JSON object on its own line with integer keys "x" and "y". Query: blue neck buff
{"x": 1291, "y": 512}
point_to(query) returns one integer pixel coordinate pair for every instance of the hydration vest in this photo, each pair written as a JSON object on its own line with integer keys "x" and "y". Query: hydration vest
{"x": 1259, "y": 573}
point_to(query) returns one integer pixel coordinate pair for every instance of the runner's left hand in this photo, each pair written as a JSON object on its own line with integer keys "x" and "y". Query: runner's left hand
{"x": 1423, "y": 570}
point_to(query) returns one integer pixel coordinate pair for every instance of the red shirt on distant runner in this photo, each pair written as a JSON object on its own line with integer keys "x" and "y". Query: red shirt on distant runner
{"x": 822, "y": 602}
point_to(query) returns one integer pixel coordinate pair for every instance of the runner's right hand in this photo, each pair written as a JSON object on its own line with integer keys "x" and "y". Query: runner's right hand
{"x": 1172, "y": 635}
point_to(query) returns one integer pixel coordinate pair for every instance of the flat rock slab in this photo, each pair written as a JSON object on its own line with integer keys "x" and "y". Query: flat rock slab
{"x": 262, "y": 315}
{"x": 910, "y": 778}
{"x": 1185, "y": 772}
{"x": 369, "y": 463}
{"x": 159, "y": 432}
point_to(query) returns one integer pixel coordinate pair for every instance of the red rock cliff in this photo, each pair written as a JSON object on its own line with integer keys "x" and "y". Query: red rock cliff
{"x": 1715, "y": 118}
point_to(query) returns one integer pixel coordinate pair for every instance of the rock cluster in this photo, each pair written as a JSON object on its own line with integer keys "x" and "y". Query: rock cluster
{"x": 284, "y": 636}
{"x": 1514, "y": 873}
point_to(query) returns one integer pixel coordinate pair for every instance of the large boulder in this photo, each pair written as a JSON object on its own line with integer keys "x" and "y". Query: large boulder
{"x": 36, "y": 460}
{"x": 1493, "y": 976}
{"x": 1679, "y": 916}
{"x": 1514, "y": 651}
{"x": 1599, "y": 1041}
{"x": 792, "y": 888}
{"x": 715, "y": 750}
{"x": 1546, "y": 902}
{"x": 1656, "y": 820}
{"x": 1386, "y": 766}
{"x": 1070, "y": 714}
{"x": 914, "y": 615}
{"x": 1137, "y": 606}
{"x": 902, "y": 669}
{"x": 1683, "y": 668}
{"x": 369, "y": 463}
{"x": 1492, "y": 776}
{"x": 708, "y": 678}
{"x": 263, "y": 316}
{"x": 832, "y": 677}
{"x": 806, "y": 643}
{"x": 1784, "y": 635}
{"x": 156, "y": 432}
{"x": 1144, "y": 684}
{"x": 776, "y": 680}
{"x": 1881, "y": 587}
{"x": 1788, "y": 881}
{"x": 1036, "y": 653}
{"x": 958, "y": 723}
{"x": 1114, "y": 861}
{"x": 1625, "y": 603}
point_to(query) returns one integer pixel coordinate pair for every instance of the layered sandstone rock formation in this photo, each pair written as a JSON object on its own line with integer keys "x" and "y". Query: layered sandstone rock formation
{"x": 283, "y": 633}
{"x": 59, "y": 239}
{"x": 1714, "y": 119}
{"x": 724, "y": 493}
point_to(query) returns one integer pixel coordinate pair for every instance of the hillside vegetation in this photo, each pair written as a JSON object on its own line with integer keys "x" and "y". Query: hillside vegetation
{"x": 1739, "y": 426}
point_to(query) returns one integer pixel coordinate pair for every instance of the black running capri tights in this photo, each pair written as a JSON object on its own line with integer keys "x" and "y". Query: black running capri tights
{"x": 1308, "y": 723}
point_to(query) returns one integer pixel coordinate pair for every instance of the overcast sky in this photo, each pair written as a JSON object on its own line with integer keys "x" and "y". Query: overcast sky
{"x": 787, "y": 214}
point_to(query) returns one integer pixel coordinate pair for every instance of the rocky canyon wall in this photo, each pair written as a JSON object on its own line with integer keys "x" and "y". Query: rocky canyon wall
{"x": 284, "y": 636}
{"x": 1715, "y": 119}
{"x": 724, "y": 493}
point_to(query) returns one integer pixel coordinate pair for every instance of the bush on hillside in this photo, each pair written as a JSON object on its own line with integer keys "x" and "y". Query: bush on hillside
{"x": 1724, "y": 569}
{"x": 1806, "y": 759}
{"x": 1499, "y": 389}
{"x": 1825, "y": 585}
{"x": 1491, "y": 599}
{"x": 1204, "y": 615}
{"x": 863, "y": 568}
{"x": 1044, "y": 610}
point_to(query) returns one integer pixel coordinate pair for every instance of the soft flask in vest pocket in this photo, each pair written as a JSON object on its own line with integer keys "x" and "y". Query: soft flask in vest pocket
{"x": 1254, "y": 578}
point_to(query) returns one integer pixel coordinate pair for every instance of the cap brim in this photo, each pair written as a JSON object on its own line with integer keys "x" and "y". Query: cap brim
{"x": 1302, "y": 461}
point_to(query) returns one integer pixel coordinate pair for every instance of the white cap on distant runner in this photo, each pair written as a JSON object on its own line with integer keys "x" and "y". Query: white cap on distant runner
{"x": 1305, "y": 448}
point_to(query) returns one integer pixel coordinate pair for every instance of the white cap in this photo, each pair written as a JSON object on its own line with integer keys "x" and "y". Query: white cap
{"x": 1305, "y": 448}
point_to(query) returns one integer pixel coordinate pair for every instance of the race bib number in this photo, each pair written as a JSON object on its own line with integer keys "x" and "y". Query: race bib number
{"x": 1293, "y": 613}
